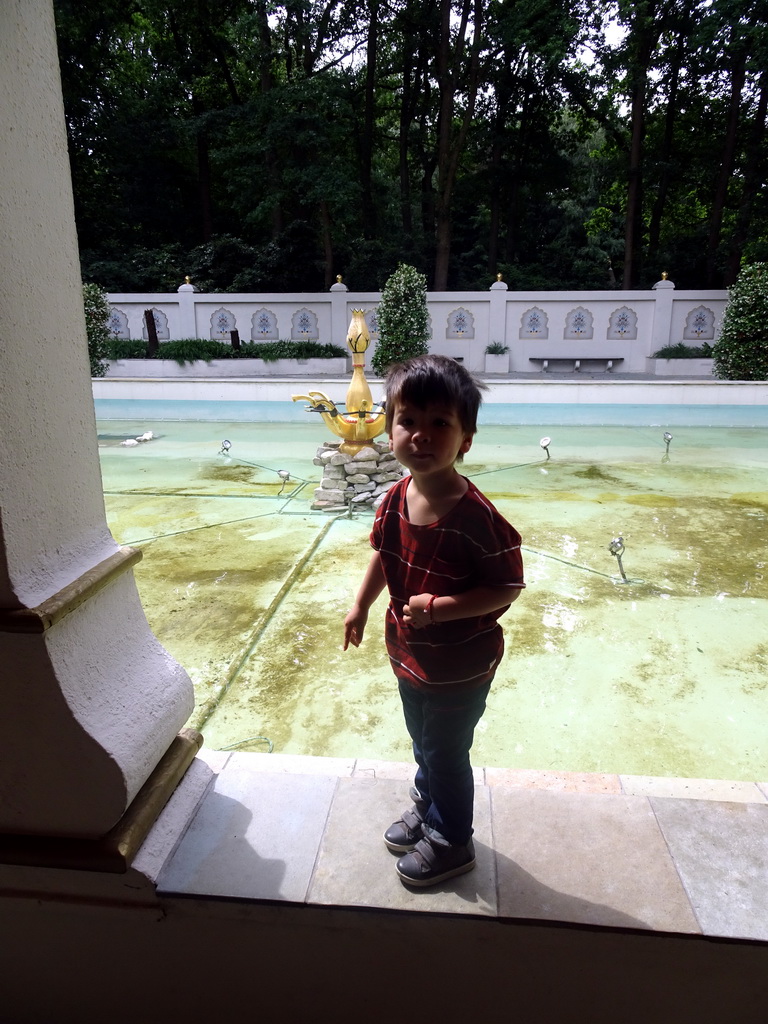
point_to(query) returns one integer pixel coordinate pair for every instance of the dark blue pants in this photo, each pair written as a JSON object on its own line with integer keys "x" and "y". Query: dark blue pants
{"x": 442, "y": 727}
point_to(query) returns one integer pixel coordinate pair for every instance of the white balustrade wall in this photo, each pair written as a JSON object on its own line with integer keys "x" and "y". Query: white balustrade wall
{"x": 614, "y": 325}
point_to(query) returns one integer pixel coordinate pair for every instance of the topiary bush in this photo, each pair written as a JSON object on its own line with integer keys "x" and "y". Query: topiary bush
{"x": 97, "y": 313}
{"x": 403, "y": 319}
{"x": 741, "y": 351}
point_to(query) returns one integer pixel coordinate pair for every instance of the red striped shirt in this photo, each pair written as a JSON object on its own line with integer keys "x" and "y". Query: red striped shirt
{"x": 473, "y": 545}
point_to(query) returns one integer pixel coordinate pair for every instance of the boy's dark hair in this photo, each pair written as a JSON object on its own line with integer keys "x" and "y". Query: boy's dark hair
{"x": 434, "y": 378}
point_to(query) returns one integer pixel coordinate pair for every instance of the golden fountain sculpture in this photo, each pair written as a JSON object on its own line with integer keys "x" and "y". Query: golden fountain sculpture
{"x": 360, "y": 423}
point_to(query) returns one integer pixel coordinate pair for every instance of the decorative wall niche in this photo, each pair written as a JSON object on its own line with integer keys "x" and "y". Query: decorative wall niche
{"x": 461, "y": 325}
{"x": 304, "y": 326}
{"x": 622, "y": 324}
{"x": 118, "y": 324}
{"x": 534, "y": 323}
{"x": 699, "y": 325}
{"x": 264, "y": 325}
{"x": 578, "y": 324}
{"x": 223, "y": 322}
{"x": 372, "y": 321}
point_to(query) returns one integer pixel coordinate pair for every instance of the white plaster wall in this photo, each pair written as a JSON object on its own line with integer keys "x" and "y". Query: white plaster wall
{"x": 46, "y": 417}
{"x": 497, "y": 315}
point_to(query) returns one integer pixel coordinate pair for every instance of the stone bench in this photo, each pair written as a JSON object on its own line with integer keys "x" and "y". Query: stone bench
{"x": 577, "y": 361}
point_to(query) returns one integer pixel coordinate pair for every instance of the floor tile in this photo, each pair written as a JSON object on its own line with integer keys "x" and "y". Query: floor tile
{"x": 294, "y": 764}
{"x": 215, "y": 759}
{"x": 694, "y": 789}
{"x": 721, "y": 852}
{"x": 255, "y": 836}
{"x": 355, "y": 868}
{"x": 587, "y": 858}
{"x": 400, "y": 770}
{"x": 563, "y": 782}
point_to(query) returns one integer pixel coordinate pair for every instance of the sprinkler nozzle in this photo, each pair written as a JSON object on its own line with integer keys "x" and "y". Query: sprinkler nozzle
{"x": 616, "y": 547}
{"x": 285, "y": 476}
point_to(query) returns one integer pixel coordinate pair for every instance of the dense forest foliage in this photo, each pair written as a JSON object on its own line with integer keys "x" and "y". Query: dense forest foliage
{"x": 262, "y": 146}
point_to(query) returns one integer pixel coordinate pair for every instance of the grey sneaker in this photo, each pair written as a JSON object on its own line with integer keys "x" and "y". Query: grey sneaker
{"x": 434, "y": 859}
{"x": 403, "y": 834}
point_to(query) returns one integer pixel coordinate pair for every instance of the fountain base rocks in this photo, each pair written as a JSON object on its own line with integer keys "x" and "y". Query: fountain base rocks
{"x": 355, "y": 480}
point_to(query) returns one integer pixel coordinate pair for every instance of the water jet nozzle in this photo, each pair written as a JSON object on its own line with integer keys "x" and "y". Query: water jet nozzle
{"x": 616, "y": 547}
{"x": 544, "y": 443}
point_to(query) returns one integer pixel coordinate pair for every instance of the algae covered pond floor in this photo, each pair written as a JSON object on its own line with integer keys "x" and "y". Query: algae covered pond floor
{"x": 664, "y": 675}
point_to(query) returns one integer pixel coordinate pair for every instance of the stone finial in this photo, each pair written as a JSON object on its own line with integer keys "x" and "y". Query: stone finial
{"x": 664, "y": 282}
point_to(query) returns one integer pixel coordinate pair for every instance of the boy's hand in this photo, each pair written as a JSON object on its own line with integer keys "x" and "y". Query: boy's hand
{"x": 354, "y": 626}
{"x": 415, "y": 613}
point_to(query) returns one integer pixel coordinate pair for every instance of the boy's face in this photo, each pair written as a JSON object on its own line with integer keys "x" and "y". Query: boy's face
{"x": 427, "y": 440}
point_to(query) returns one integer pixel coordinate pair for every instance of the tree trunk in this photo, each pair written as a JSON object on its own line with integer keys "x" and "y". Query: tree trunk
{"x": 754, "y": 176}
{"x": 665, "y": 156}
{"x": 633, "y": 224}
{"x": 450, "y": 143}
{"x": 325, "y": 225}
{"x": 738, "y": 77}
{"x": 366, "y": 146}
{"x": 643, "y": 38}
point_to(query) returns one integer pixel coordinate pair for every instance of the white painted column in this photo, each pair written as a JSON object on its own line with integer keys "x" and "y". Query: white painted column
{"x": 339, "y": 315}
{"x": 497, "y": 317}
{"x": 89, "y": 700}
{"x": 187, "y": 326}
{"x": 662, "y": 315}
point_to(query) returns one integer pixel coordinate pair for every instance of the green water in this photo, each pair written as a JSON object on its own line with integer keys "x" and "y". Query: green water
{"x": 664, "y": 675}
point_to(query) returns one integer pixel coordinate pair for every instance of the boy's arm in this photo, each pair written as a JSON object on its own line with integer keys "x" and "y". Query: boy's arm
{"x": 372, "y": 585}
{"x": 477, "y": 601}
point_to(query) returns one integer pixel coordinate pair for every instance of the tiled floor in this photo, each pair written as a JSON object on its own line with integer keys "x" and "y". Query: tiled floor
{"x": 672, "y": 855}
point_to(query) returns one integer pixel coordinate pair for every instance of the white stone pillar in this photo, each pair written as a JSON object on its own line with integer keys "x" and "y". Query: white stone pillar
{"x": 339, "y": 315}
{"x": 497, "y": 318}
{"x": 89, "y": 700}
{"x": 187, "y": 318}
{"x": 662, "y": 315}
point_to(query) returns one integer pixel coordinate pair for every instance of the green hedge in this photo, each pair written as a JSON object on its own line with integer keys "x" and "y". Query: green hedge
{"x": 189, "y": 350}
{"x": 683, "y": 351}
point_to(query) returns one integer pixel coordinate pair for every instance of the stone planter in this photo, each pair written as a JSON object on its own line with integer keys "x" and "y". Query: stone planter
{"x": 228, "y": 368}
{"x": 680, "y": 367}
{"x": 497, "y": 363}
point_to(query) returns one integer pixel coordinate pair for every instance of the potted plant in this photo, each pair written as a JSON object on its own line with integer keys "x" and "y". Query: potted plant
{"x": 497, "y": 358}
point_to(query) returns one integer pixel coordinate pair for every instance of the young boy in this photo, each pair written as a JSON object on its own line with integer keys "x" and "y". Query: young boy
{"x": 453, "y": 566}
